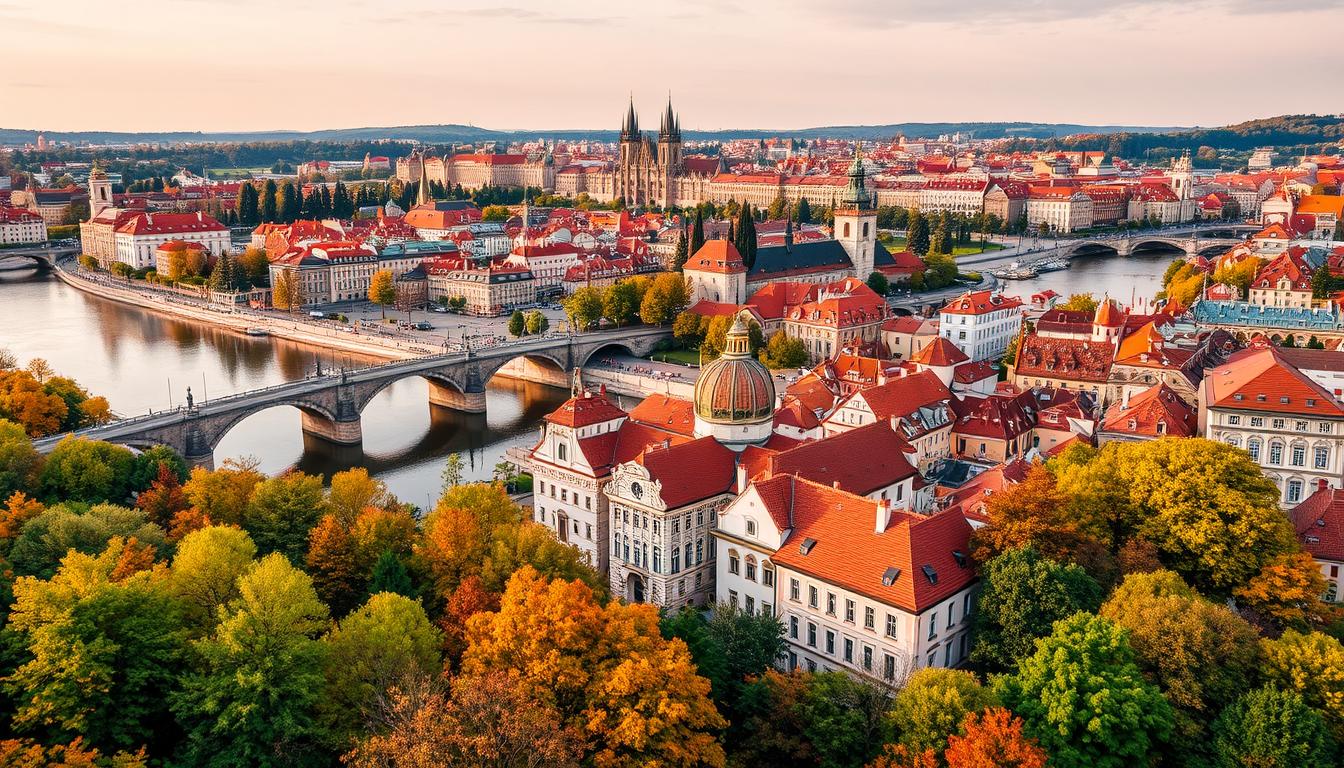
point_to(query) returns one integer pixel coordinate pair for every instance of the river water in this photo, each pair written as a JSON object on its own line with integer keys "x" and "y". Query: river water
{"x": 1129, "y": 280}
{"x": 140, "y": 360}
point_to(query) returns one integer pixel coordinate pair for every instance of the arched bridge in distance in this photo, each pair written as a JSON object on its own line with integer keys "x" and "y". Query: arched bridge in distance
{"x": 330, "y": 404}
{"x": 1206, "y": 241}
{"x": 46, "y": 256}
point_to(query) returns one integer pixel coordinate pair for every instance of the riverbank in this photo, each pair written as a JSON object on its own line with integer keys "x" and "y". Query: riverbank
{"x": 304, "y": 333}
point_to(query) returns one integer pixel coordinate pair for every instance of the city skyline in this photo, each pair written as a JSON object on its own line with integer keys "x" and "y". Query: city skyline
{"x": 528, "y": 66}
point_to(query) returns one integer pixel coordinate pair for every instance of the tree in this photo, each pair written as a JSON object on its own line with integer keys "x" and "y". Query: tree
{"x": 222, "y": 494}
{"x": 697, "y": 233}
{"x": 878, "y": 282}
{"x": 376, "y": 531}
{"x": 772, "y": 722}
{"x": 1023, "y": 595}
{"x": 932, "y": 705}
{"x": 1083, "y": 698}
{"x": 729, "y": 649}
{"x": 248, "y": 212}
{"x": 917, "y": 233}
{"x": 222, "y": 277}
{"x": 452, "y": 471}
{"x": 993, "y": 739}
{"x": 353, "y": 491}
{"x": 803, "y": 213}
{"x": 254, "y": 267}
{"x": 382, "y": 289}
{"x": 164, "y": 497}
{"x": 385, "y": 642}
{"x": 1287, "y": 591}
{"x": 287, "y": 291}
{"x": 665, "y": 299}
{"x": 688, "y": 328}
{"x": 620, "y": 303}
{"x": 342, "y": 207}
{"x": 102, "y": 653}
{"x": 584, "y": 307}
{"x": 1313, "y": 666}
{"x": 25, "y": 401}
{"x": 19, "y": 461}
{"x": 47, "y": 538}
{"x": 682, "y": 252}
{"x": 269, "y": 201}
{"x": 1272, "y": 728}
{"x": 333, "y": 566}
{"x": 495, "y": 213}
{"x": 205, "y": 571}
{"x": 1321, "y": 284}
{"x": 846, "y": 719}
{"x": 488, "y": 721}
{"x": 1036, "y": 513}
{"x": 18, "y": 753}
{"x": 784, "y": 351}
{"x": 287, "y": 203}
{"x": 281, "y": 512}
{"x": 1081, "y": 302}
{"x": 536, "y": 323}
{"x": 251, "y": 700}
{"x": 606, "y": 669}
{"x": 745, "y": 239}
{"x": 517, "y": 323}
{"x": 390, "y": 576}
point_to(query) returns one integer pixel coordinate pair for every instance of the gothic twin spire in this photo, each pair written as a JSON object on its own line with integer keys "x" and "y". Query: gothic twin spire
{"x": 670, "y": 128}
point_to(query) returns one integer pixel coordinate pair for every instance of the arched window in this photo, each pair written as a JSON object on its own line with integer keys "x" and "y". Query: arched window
{"x": 751, "y": 568}
{"x": 1298, "y": 456}
{"x": 1294, "y": 490}
{"x": 767, "y": 573}
{"x": 676, "y": 560}
{"x": 1253, "y": 448}
{"x": 733, "y": 563}
{"x": 560, "y": 451}
{"x": 1275, "y": 452}
{"x": 689, "y": 561}
{"x": 1321, "y": 457}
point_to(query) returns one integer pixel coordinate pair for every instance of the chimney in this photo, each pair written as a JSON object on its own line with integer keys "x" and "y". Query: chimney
{"x": 883, "y": 516}
{"x": 1322, "y": 484}
{"x": 741, "y": 477}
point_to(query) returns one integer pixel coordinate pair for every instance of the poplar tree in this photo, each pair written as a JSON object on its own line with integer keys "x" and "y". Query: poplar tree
{"x": 268, "y": 201}
{"x": 289, "y": 203}
{"x": 697, "y": 233}
{"x": 247, "y": 205}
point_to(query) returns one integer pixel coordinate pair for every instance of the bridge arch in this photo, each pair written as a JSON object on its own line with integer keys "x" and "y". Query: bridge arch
{"x": 1093, "y": 248}
{"x": 41, "y": 261}
{"x": 315, "y": 418}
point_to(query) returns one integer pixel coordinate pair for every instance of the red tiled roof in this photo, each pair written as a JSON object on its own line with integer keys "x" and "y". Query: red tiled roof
{"x": 1154, "y": 412}
{"x": 716, "y": 256}
{"x": 1319, "y": 521}
{"x": 585, "y": 410}
{"x": 939, "y": 353}
{"x": 849, "y": 553}
{"x": 142, "y": 223}
{"x": 905, "y": 395}
{"x": 1262, "y": 380}
{"x": 980, "y": 302}
{"x": 861, "y": 460}
{"x": 668, "y": 413}
{"x": 691, "y": 471}
{"x": 1063, "y": 359}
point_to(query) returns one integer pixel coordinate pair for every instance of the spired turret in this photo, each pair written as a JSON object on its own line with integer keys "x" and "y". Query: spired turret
{"x": 670, "y": 129}
{"x": 630, "y": 126}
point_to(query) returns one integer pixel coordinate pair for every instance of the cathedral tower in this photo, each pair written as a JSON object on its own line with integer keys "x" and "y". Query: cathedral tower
{"x": 856, "y": 221}
{"x": 100, "y": 192}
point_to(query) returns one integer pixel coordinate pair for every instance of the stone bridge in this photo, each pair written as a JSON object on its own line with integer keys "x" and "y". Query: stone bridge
{"x": 331, "y": 404}
{"x": 46, "y": 256}
{"x": 1124, "y": 246}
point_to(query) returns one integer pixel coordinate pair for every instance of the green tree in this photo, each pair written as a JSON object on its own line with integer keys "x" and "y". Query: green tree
{"x": 917, "y": 233}
{"x": 697, "y": 233}
{"x": 1272, "y": 728}
{"x": 745, "y": 238}
{"x": 248, "y": 212}
{"x": 46, "y": 539}
{"x": 452, "y": 471}
{"x": 102, "y": 653}
{"x": 688, "y": 328}
{"x": 281, "y": 512}
{"x": 1081, "y": 302}
{"x": 933, "y": 704}
{"x": 205, "y": 571}
{"x": 803, "y": 213}
{"x": 682, "y": 253}
{"x": 878, "y": 282}
{"x": 288, "y": 203}
{"x": 19, "y": 460}
{"x": 87, "y": 470}
{"x": 222, "y": 277}
{"x": 148, "y": 462}
{"x": 584, "y": 307}
{"x": 1321, "y": 283}
{"x": 620, "y": 302}
{"x": 342, "y": 207}
{"x": 664, "y": 300}
{"x": 784, "y": 351}
{"x": 537, "y": 323}
{"x": 1313, "y": 666}
{"x": 495, "y": 213}
{"x": 390, "y": 576}
{"x": 1083, "y": 697}
{"x": 386, "y": 642}
{"x": 251, "y": 699}
{"x": 1023, "y": 595}
{"x": 383, "y": 290}
{"x": 778, "y": 208}
{"x": 269, "y": 201}
{"x": 517, "y": 323}
{"x": 846, "y": 719}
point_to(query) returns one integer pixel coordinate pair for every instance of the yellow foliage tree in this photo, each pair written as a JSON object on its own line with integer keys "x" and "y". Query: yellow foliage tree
{"x": 1313, "y": 665}
{"x": 1288, "y": 591}
{"x": 382, "y": 289}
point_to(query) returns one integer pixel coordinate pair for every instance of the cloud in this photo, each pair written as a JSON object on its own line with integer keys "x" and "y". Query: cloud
{"x": 889, "y": 13}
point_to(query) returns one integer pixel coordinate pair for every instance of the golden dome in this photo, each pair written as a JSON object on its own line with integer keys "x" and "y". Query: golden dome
{"x": 735, "y": 389}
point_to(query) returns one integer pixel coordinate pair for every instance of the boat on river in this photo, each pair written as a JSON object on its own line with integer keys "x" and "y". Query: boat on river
{"x": 1052, "y": 265}
{"x": 1015, "y": 271}
{"x": 255, "y": 331}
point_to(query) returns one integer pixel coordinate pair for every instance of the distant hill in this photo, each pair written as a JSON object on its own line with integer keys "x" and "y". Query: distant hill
{"x": 441, "y": 134}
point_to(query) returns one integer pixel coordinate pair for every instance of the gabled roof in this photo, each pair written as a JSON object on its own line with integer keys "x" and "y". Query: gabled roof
{"x": 861, "y": 460}
{"x": 672, "y": 414}
{"x": 1063, "y": 359}
{"x": 979, "y": 303}
{"x": 690, "y": 471}
{"x": 847, "y": 550}
{"x": 905, "y": 395}
{"x": 1154, "y": 412}
{"x": 939, "y": 353}
{"x": 585, "y": 410}
{"x": 1319, "y": 521}
{"x": 1262, "y": 380}
{"x": 716, "y": 256}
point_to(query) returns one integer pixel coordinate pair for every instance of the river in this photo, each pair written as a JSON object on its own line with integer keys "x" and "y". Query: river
{"x": 1127, "y": 279}
{"x": 140, "y": 360}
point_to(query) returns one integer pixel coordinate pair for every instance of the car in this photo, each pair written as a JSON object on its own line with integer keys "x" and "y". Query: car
{"x": 441, "y": 310}
{"x": 318, "y": 315}
{"x": 422, "y": 326}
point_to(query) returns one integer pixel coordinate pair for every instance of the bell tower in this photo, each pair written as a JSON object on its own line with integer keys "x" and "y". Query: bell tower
{"x": 100, "y": 192}
{"x": 856, "y": 221}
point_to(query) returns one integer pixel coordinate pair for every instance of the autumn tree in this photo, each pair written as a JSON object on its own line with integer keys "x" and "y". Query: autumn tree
{"x": 620, "y": 302}
{"x": 383, "y": 289}
{"x": 18, "y": 510}
{"x": 770, "y": 725}
{"x": 665, "y": 300}
{"x": 281, "y": 511}
{"x": 846, "y": 718}
{"x": 19, "y": 461}
{"x": 101, "y": 653}
{"x": 24, "y": 400}
{"x": 205, "y": 571}
{"x": 1287, "y": 591}
{"x": 993, "y": 739}
{"x": 353, "y": 490}
{"x": 1080, "y": 302}
{"x": 1085, "y": 700}
{"x": 1035, "y": 513}
{"x": 252, "y": 697}
{"x": 333, "y": 566}
{"x": 784, "y": 351}
{"x": 24, "y": 753}
{"x": 378, "y": 530}
{"x": 287, "y": 291}
{"x": 1022, "y": 596}
{"x": 87, "y": 470}
{"x": 1273, "y": 727}
{"x": 47, "y": 538}
{"x": 1313, "y": 666}
{"x": 385, "y": 642}
{"x": 606, "y": 669}
{"x": 163, "y": 499}
{"x": 933, "y": 704}
{"x": 222, "y": 494}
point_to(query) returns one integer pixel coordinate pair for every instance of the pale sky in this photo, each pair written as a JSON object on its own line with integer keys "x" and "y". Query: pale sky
{"x": 217, "y": 65}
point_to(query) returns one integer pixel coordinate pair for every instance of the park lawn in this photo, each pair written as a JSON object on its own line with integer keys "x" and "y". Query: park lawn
{"x": 683, "y": 356}
{"x": 234, "y": 172}
{"x": 898, "y": 242}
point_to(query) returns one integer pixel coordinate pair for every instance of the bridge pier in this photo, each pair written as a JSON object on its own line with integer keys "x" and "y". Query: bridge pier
{"x": 338, "y": 431}
{"x": 450, "y": 397}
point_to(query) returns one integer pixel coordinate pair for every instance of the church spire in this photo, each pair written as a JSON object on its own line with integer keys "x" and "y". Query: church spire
{"x": 630, "y": 128}
{"x": 424, "y": 198}
{"x": 668, "y": 129}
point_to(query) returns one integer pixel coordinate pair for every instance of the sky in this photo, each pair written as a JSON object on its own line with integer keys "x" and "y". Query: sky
{"x": 228, "y": 65}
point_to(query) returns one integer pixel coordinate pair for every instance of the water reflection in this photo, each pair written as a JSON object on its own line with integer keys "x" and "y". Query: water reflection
{"x": 1121, "y": 277}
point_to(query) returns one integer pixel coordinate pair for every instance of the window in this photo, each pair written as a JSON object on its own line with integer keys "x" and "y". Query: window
{"x": 657, "y": 560}
{"x": 732, "y": 562}
{"x": 751, "y": 604}
{"x": 1257, "y": 421}
{"x": 560, "y": 451}
{"x": 1253, "y": 448}
{"x": 1299, "y": 455}
{"x": 1279, "y": 423}
{"x": 830, "y": 604}
{"x": 869, "y": 618}
{"x": 1321, "y": 457}
{"x": 811, "y": 635}
{"x": 933, "y": 625}
{"x": 676, "y": 560}
{"x": 681, "y": 588}
{"x": 812, "y": 597}
{"x": 849, "y": 651}
{"x": 751, "y": 527}
{"x": 950, "y": 608}
{"x": 676, "y": 526}
{"x": 830, "y": 643}
{"x": 767, "y": 609}
{"x": 966, "y": 606}
{"x": 1301, "y": 426}
{"x": 888, "y": 666}
{"x": 1323, "y": 427}
{"x": 1276, "y": 453}
{"x": 1294, "y": 491}
{"x": 767, "y": 575}
{"x": 793, "y": 627}
{"x": 699, "y": 551}
{"x": 867, "y": 658}
{"x": 849, "y": 611}
{"x": 1233, "y": 419}
{"x": 793, "y": 590}
{"x": 751, "y": 569}
{"x": 732, "y": 598}
{"x": 700, "y": 517}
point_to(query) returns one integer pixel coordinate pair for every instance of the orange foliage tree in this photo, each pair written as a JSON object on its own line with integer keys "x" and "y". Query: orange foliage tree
{"x": 1288, "y": 591}
{"x": 993, "y": 739}
{"x": 331, "y": 562}
{"x": 164, "y": 498}
{"x": 606, "y": 669}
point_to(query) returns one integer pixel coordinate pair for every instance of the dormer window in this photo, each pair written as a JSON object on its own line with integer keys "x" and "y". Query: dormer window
{"x": 890, "y": 576}
{"x": 930, "y": 573}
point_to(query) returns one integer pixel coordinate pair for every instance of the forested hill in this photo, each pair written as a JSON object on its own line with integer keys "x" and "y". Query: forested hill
{"x": 1283, "y": 131}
